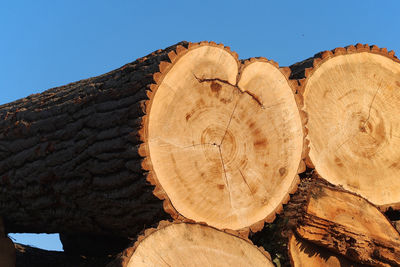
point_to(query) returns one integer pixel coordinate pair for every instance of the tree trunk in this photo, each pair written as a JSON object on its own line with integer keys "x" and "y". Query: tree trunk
{"x": 306, "y": 254}
{"x": 345, "y": 223}
{"x": 221, "y": 140}
{"x": 187, "y": 244}
{"x": 351, "y": 96}
{"x": 69, "y": 160}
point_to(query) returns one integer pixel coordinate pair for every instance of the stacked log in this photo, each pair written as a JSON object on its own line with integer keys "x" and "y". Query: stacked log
{"x": 190, "y": 120}
{"x": 215, "y": 145}
{"x": 187, "y": 244}
{"x": 344, "y": 223}
{"x": 206, "y": 146}
{"x": 350, "y": 96}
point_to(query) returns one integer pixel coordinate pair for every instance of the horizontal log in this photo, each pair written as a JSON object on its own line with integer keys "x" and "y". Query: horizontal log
{"x": 343, "y": 222}
{"x": 69, "y": 160}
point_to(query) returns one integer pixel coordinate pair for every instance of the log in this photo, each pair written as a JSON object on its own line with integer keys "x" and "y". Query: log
{"x": 306, "y": 254}
{"x": 351, "y": 96}
{"x": 187, "y": 244}
{"x": 221, "y": 140}
{"x": 345, "y": 223}
{"x": 69, "y": 160}
{"x": 244, "y": 166}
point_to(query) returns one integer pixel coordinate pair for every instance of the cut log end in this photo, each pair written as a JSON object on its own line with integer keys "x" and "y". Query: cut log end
{"x": 185, "y": 244}
{"x": 225, "y": 148}
{"x": 352, "y": 100}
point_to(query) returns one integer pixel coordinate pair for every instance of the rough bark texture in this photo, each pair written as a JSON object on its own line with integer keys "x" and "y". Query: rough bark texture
{"x": 306, "y": 254}
{"x": 69, "y": 160}
{"x": 343, "y": 229}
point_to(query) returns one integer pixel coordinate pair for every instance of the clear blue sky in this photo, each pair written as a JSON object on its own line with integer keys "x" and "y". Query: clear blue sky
{"x": 44, "y": 44}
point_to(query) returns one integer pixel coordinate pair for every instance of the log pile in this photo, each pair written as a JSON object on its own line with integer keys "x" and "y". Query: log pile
{"x": 350, "y": 96}
{"x": 214, "y": 145}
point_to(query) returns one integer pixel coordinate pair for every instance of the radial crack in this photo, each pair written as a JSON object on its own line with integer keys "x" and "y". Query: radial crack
{"x": 347, "y": 140}
{"x": 372, "y": 137}
{"x": 198, "y": 145}
{"x": 164, "y": 261}
{"x": 253, "y": 96}
{"x": 370, "y": 106}
{"x": 229, "y": 123}
{"x": 226, "y": 177}
{"x": 244, "y": 179}
{"x": 274, "y": 105}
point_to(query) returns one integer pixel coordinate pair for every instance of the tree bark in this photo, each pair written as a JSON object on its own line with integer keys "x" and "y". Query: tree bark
{"x": 351, "y": 96}
{"x": 69, "y": 157}
{"x": 306, "y": 254}
{"x": 344, "y": 223}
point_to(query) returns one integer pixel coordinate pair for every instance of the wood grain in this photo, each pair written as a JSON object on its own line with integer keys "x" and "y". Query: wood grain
{"x": 187, "y": 244}
{"x": 223, "y": 140}
{"x": 351, "y": 96}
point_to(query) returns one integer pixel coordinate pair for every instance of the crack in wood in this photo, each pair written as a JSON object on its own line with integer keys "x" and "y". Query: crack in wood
{"x": 164, "y": 261}
{"x": 372, "y": 137}
{"x": 194, "y": 145}
{"x": 226, "y": 177}
{"x": 370, "y": 106}
{"x": 347, "y": 140}
{"x": 244, "y": 179}
{"x": 229, "y": 123}
{"x": 253, "y": 96}
{"x": 362, "y": 128}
